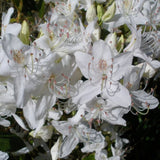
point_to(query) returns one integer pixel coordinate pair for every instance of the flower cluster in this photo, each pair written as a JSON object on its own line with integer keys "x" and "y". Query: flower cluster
{"x": 75, "y": 80}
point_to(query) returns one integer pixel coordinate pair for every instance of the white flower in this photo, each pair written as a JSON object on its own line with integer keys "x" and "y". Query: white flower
{"x": 75, "y": 133}
{"x": 7, "y": 104}
{"x": 35, "y": 111}
{"x": 4, "y": 156}
{"x": 105, "y": 110}
{"x": 141, "y": 100}
{"x": 118, "y": 150}
{"x": 55, "y": 149}
{"x": 101, "y": 155}
{"x": 103, "y": 73}
{"x": 127, "y": 11}
{"x": 63, "y": 36}
{"x": 91, "y": 13}
{"x": 45, "y": 132}
{"x": 9, "y": 28}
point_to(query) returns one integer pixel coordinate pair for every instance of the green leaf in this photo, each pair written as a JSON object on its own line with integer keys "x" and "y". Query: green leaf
{"x": 89, "y": 157}
{"x": 10, "y": 143}
{"x": 18, "y": 4}
{"x": 41, "y": 6}
{"x": 5, "y": 144}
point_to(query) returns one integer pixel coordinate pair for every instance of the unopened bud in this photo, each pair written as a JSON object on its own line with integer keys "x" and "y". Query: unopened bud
{"x": 109, "y": 13}
{"x": 91, "y": 13}
{"x": 120, "y": 44}
{"x": 111, "y": 40}
{"x": 96, "y": 33}
{"x": 24, "y": 34}
{"x": 100, "y": 11}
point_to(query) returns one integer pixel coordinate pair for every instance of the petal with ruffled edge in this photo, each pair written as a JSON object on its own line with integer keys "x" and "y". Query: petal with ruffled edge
{"x": 4, "y": 155}
{"x": 43, "y": 105}
{"x": 144, "y": 100}
{"x": 62, "y": 126}
{"x": 13, "y": 29}
{"x": 102, "y": 51}
{"x": 68, "y": 145}
{"x": 121, "y": 65}
{"x": 83, "y": 60}
{"x": 86, "y": 92}
{"x": 55, "y": 149}
{"x": 29, "y": 111}
{"x": 114, "y": 115}
{"x": 15, "y": 44}
{"x": 4, "y": 122}
{"x": 121, "y": 97}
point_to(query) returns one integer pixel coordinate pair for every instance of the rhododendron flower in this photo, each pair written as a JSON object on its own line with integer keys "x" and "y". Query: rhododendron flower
{"x": 100, "y": 109}
{"x": 103, "y": 72}
{"x": 74, "y": 133}
{"x": 6, "y": 26}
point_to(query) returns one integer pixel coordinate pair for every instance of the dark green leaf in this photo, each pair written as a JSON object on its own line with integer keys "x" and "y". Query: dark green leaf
{"x": 41, "y": 6}
{"x": 10, "y": 143}
{"x": 89, "y": 157}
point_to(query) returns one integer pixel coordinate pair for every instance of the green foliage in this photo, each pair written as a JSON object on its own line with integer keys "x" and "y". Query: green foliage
{"x": 18, "y": 4}
{"x": 41, "y": 6}
{"x": 89, "y": 157}
{"x": 10, "y": 142}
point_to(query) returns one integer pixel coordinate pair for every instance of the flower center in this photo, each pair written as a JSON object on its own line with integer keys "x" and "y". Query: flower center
{"x": 102, "y": 65}
{"x": 18, "y": 57}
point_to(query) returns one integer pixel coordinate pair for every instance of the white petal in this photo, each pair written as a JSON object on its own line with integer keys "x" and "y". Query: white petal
{"x": 43, "y": 105}
{"x": 114, "y": 116}
{"x": 13, "y": 29}
{"x": 87, "y": 91}
{"x": 3, "y": 155}
{"x": 120, "y": 98}
{"x": 101, "y": 51}
{"x": 54, "y": 114}
{"x": 144, "y": 99}
{"x": 20, "y": 122}
{"x": 14, "y": 44}
{"x": 21, "y": 151}
{"x": 43, "y": 42}
{"x": 55, "y": 149}
{"x": 19, "y": 90}
{"x": 121, "y": 65}
{"x": 68, "y": 145}
{"x": 83, "y": 60}
{"x": 45, "y": 132}
{"x": 78, "y": 116}
{"x": 4, "y": 122}
{"x": 29, "y": 111}
{"x": 62, "y": 127}
{"x": 6, "y": 17}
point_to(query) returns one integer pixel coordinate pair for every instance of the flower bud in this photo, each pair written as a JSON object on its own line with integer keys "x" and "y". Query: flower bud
{"x": 100, "y": 11}
{"x": 149, "y": 71}
{"x": 120, "y": 44}
{"x": 96, "y": 33}
{"x": 45, "y": 132}
{"x": 91, "y": 13}
{"x": 109, "y": 13}
{"x": 111, "y": 40}
{"x": 24, "y": 34}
